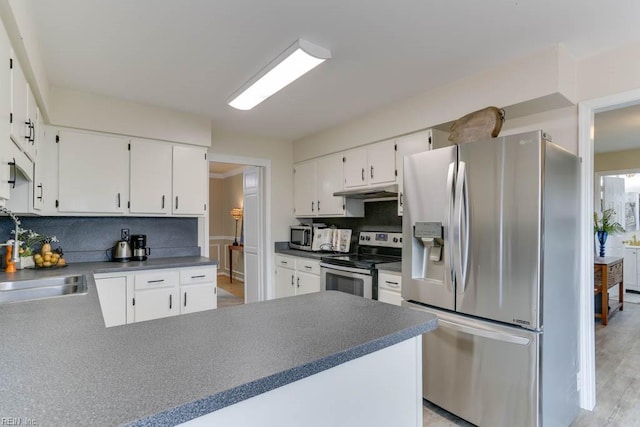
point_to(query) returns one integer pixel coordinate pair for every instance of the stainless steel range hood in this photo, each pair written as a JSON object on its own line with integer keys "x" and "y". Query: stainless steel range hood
{"x": 381, "y": 192}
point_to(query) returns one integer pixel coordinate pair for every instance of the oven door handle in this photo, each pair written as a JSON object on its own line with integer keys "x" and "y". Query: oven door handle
{"x": 361, "y": 271}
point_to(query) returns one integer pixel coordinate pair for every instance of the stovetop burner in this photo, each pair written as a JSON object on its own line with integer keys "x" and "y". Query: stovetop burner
{"x": 374, "y": 248}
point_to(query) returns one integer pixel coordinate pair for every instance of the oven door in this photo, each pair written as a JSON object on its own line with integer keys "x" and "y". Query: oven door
{"x": 353, "y": 281}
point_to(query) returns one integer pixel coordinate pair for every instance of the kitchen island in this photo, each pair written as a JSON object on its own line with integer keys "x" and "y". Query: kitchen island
{"x": 59, "y": 365}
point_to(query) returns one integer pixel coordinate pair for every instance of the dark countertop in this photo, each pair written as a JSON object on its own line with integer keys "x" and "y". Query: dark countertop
{"x": 302, "y": 254}
{"x": 395, "y": 267}
{"x": 59, "y": 365}
{"x": 106, "y": 267}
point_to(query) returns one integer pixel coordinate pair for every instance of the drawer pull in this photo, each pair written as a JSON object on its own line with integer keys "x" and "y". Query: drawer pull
{"x": 308, "y": 267}
{"x": 394, "y": 284}
{"x": 283, "y": 262}
{"x": 155, "y": 281}
{"x": 200, "y": 276}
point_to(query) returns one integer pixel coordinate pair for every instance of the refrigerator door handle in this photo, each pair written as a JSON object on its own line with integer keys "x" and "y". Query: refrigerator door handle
{"x": 493, "y": 335}
{"x": 448, "y": 266}
{"x": 461, "y": 201}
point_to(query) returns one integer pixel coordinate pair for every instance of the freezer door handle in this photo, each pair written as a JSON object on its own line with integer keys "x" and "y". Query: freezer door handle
{"x": 493, "y": 335}
{"x": 461, "y": 227}
{"x": 448, "y": 267}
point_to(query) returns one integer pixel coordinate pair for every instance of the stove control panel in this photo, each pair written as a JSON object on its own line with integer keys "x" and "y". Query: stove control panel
{"x": 380, "y": 238}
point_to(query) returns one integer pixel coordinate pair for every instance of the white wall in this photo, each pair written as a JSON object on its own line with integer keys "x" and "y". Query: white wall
{"x": 89, "y": 111}
{"x": 547, "y": 75}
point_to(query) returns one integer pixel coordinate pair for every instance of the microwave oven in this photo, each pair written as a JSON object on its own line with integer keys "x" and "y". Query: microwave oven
{"x": 301, "y": 236}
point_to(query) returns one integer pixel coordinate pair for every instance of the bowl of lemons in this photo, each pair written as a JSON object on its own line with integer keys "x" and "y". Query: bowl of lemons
{"x": 49, "y": 259}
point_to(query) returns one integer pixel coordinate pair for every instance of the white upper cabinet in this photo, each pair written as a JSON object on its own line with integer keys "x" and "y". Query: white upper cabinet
{"x": 328, "y": 181}
{"x": 304, "y": 189}
{"x": 45, "y": 179}
{"x": 381, "y": 157}
{"x": 355, "y": 168}
{"x": 5, "y": 110}
{"x": 20, "y": 125}
{"x": 314, "y": 183}
{"x": 150, "y": 180}
{"x": 93, "y": 173}
{"x": 371, "y": 165}
{"x": 189, "y": 181}
{"x": 407, "y": 145}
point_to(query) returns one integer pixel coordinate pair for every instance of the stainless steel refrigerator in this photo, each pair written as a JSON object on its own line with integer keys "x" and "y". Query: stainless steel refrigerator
{"x": 491, "y": 234}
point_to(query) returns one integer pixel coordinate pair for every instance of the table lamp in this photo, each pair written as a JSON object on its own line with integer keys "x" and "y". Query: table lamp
{"x": 236, "y": 213}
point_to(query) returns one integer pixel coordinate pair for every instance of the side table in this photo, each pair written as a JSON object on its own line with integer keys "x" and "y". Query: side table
{"x": 232, "y": 248}
{"x": 607, "y": 273}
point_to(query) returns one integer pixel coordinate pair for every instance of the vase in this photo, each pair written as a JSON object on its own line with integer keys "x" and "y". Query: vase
{"x": 602, "y": 239}
{"x": 25, "y": 262}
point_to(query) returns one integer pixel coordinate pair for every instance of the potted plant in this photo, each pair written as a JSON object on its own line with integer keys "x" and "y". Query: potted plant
{"x": 605, "y": 225}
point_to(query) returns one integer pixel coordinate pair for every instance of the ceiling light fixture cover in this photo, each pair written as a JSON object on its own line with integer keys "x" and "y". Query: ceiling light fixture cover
{"x": 298, "y": 59}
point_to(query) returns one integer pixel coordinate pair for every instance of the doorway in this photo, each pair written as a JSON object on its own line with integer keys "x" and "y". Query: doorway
{"x": 586, "y": 144}
{"x": 237, "y": 232}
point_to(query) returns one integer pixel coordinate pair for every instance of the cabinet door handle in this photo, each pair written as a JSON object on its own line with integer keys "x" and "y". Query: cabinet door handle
{"x": 371, "y": 172}
{"x": 155, "y": 281}
{"x": 363, "y": 174}
{"x": 312, "y": 206}
{"x": 292, "y": 280}
{"x": 185, "y": 299}
{"x": 133, "y": 301}
{"x": 163, "y": 201}
{"x": 118, "y": 199}
{"x": 318, "y": 205}
{"x": 401, "y": 199}
{"x": 170, "y": 302}
{"x": 28, "y": 137}
{"x": 298, "y": 282}
{"x": 33, "y": 133}
{"x": 41, "y": 191}
{"x": 15, "y": 173}
{"x": 198, "y": 277}
{"x": 176, "y": 202}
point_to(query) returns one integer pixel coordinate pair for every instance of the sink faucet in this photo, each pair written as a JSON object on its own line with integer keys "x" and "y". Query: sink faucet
{"x": 16, "y": 242}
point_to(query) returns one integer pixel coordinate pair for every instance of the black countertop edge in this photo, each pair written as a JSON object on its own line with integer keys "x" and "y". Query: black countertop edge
{"x": 201, "y": 407}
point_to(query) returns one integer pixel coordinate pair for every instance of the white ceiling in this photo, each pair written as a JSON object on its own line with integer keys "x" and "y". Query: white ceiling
{"x": 191, "y": 55}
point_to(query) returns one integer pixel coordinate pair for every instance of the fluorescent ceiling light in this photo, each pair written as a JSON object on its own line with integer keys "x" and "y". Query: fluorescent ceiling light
{"x": 298, "y": 59}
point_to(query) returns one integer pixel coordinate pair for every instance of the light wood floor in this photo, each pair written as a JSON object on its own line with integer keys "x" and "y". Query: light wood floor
{"x": 236, "y": 288}
{"x": 229, "y": 294}
{"x": 617, "y": 377}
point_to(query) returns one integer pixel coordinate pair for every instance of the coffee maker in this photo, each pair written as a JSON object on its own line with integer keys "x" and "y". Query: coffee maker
{"x": 139, "y": 247}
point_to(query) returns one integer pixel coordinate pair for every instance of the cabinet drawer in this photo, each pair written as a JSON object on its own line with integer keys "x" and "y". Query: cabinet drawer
{"x": 286, "y": 262}
{"x": 308, "y": 265}
{"x": 156, "y": 279}
{"x": 197, "y": 275}
{"x": 614, "y": 274}
{"x": 390, "y": 281}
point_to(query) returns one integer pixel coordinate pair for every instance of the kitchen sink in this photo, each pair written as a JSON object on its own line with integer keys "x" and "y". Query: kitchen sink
{"x": 26, "y": 290}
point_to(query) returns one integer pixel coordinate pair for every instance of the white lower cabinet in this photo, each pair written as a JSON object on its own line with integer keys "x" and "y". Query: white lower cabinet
{"x": 390, "y": 287}
{"x": 198, "y": 289}
{"x": 630, "y": 271}
{"x": 112, "y": 293}
{"x": 296, "y": 276}
{"x": 152, "y": 304}
{"x": 154, "y": 294}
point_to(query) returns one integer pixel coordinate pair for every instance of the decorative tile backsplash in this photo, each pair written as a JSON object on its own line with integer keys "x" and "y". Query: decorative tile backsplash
{"x": 89, "y": 239}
